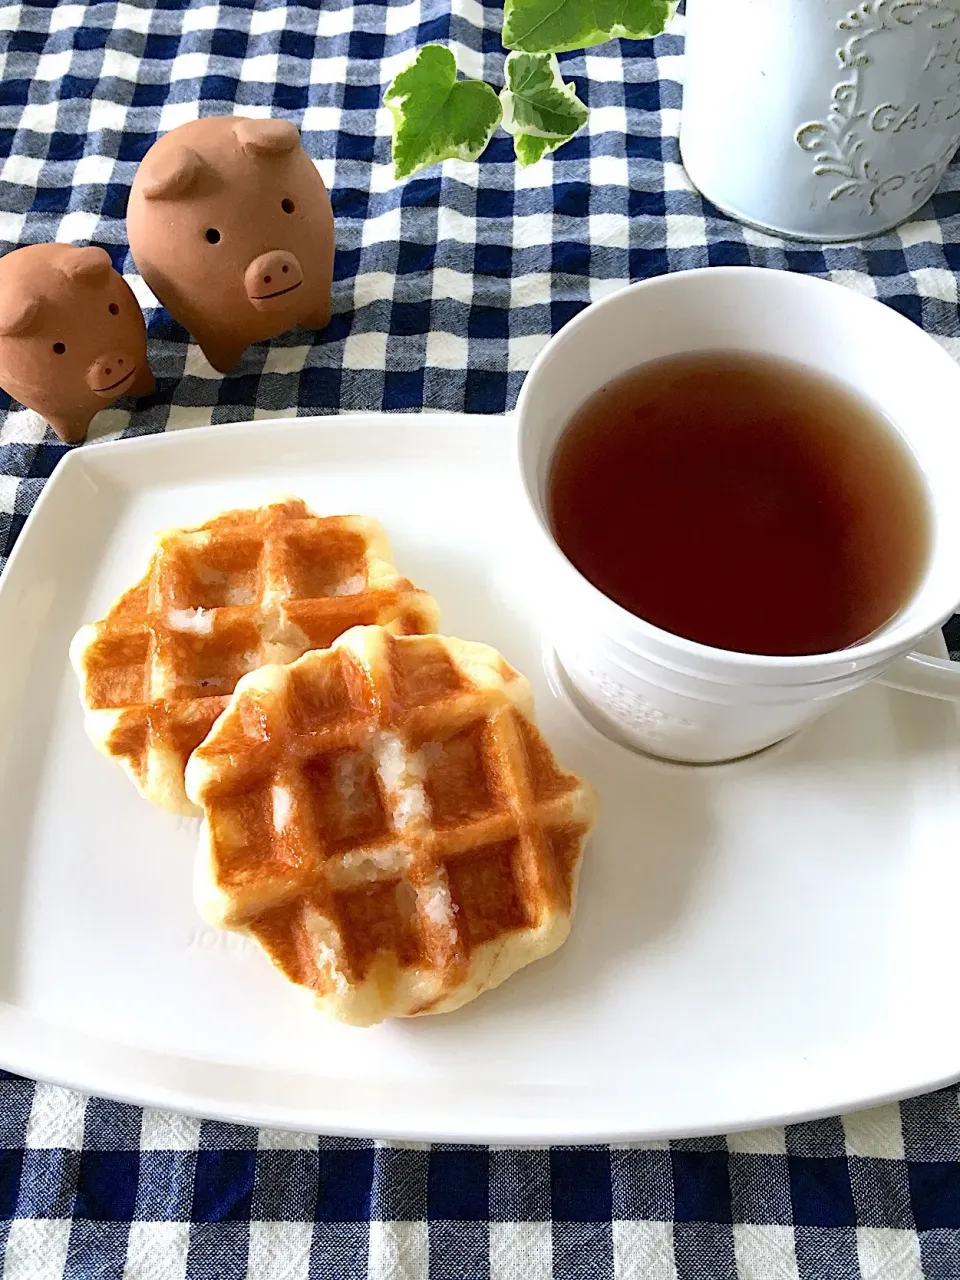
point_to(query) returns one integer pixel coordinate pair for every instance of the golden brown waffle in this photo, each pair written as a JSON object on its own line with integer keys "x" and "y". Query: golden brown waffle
{"x": 244, "y": 589}
{"x": 384, "y": 818}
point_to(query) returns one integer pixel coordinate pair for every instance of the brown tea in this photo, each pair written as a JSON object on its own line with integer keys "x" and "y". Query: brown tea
{"x": 741, "y": 501}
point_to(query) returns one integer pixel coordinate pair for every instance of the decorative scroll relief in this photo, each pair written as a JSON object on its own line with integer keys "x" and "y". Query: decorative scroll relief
{"x": 849, "y": 145}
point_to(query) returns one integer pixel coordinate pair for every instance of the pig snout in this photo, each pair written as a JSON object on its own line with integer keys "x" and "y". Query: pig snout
{"x": 110, "y": 373}
{"x": 271, "y": 277}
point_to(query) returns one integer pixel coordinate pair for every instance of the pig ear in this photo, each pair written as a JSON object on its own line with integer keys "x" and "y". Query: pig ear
{"x": 90, "y": 264}
{"x": 266, "y": 137}
{"x": 170, "y": 174}
{"x": 18, "y": 311}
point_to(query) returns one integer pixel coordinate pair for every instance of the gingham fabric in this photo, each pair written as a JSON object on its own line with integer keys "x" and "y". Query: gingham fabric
{"x": 96, "y": 1189}
{"x": 446, "y": 287}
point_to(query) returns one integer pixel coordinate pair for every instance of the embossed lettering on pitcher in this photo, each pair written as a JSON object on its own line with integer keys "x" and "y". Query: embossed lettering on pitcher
{"x": 849, "y": 143}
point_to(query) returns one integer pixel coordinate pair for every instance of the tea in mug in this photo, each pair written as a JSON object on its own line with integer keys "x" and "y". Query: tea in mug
{"x": 741, "y": 501}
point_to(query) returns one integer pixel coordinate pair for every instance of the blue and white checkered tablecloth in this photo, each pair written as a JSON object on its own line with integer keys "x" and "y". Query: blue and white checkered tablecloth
{"x": 446, "y": 287}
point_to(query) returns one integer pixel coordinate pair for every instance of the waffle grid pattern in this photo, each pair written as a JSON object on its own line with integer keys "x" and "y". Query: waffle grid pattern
{"x": 409, "y": 805}
{"x": 246, "y": 588}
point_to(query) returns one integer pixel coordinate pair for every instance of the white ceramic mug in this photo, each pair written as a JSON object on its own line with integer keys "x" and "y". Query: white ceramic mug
{"x": 820, "y": 119}
{"x": 687, "y": 701}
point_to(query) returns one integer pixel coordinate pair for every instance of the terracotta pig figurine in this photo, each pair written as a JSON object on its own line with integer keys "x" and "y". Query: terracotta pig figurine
{"x": 72, "y": 336}
{"x": 231, "y": 227}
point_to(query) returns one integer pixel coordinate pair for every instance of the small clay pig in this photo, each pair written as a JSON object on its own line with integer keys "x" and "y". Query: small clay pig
{"x": 72, "y": 337}
{"x": 231, "y": 227}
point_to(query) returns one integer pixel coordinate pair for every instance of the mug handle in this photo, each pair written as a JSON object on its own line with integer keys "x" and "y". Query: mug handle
{"x": 920, "y": 673}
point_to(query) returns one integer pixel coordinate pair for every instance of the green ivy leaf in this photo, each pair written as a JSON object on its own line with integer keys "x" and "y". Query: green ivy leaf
{"x": 538, "y": 108}
{"x": 529, "y": 149}
{"x": 435, "y": 116}
{"x": 557, "y": 26}
{"x": 634, "y": 19}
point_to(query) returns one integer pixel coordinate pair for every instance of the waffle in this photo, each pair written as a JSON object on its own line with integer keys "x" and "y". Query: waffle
{"x": 385, "y": 820}
{"x": 217, "y": 601}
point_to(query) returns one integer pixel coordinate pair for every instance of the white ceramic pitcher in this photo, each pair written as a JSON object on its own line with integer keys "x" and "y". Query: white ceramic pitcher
{"x": 817, "y": 119}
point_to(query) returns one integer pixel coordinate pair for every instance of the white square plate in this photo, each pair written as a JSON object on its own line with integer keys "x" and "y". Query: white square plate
{"x": 755, "y": 942}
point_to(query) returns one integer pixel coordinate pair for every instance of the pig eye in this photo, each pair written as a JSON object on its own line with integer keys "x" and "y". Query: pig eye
{"x": 113, "y": 309}
{"x": 59, "y": 348}
{"x": 287, "y": 205}
{"x": 213, "y": 235}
